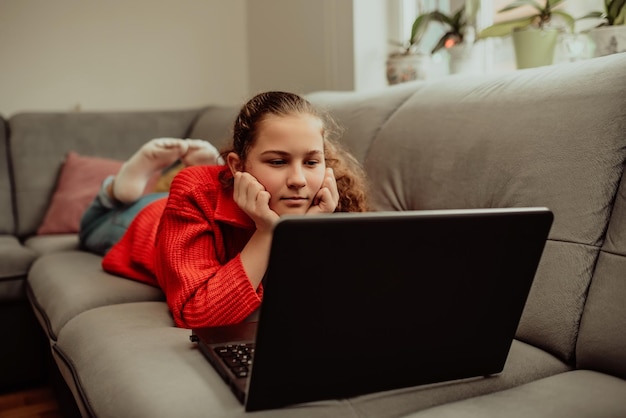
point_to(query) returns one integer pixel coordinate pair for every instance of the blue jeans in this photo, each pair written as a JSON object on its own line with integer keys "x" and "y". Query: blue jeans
{"x": 105, "y": 221}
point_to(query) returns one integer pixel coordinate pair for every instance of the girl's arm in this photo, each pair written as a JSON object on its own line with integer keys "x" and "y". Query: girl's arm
{"x": 199, "y": 269}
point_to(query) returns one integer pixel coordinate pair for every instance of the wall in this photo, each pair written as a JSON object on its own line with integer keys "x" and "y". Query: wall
{"x": 118, "y": 54}
{"x": 308, "y": 47}
{"x": 144, "y": 54}
{"x": 317, "y": 45}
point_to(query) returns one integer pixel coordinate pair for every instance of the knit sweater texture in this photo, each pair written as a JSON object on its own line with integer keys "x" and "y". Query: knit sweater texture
{"x": 189, "y": 244}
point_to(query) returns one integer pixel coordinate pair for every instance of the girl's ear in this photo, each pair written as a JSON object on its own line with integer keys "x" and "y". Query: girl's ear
{"x": 234, "y": 162}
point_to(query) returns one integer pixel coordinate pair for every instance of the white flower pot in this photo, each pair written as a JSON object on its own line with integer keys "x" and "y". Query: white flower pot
{"x": 608, "y": 40}
{"x": 464, "y": 59}
{"x": 401, "y": 67}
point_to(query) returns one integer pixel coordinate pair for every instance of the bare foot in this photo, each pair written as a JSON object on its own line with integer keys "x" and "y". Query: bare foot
{"x": 200, "y": 152}
{"x": 154, "y": 155}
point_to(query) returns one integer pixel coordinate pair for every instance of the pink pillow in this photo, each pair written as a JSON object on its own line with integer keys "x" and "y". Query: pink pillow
{"x": 78, "y": 184}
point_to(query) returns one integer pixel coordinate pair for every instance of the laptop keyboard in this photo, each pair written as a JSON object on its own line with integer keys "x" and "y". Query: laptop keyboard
{"x": 238, "y": 357}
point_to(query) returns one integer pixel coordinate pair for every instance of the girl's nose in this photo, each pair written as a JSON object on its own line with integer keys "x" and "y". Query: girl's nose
{"x": 296, "y": 178}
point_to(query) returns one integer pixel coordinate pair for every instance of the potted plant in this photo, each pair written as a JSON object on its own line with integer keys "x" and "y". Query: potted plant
{"x": 609, "y": 36}
{"x": 407, "y": 64}
{"x": 534, "y": 35}
{"x": 457, "y": 40}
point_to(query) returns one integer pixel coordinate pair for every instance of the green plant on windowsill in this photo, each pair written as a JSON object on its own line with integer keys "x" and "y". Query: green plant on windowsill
{"x": 609, "y": 36}
{"x": 459, "y": 27}
{"x": 534, "y": 35}
{"x": 614, "y": 13}
{"x": 409, "y": 63}
{"x": 540, "y": 18}
{"x": 456, "y": 27}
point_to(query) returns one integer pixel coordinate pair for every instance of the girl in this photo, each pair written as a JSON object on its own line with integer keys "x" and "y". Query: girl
{"x": 207, "y": 244}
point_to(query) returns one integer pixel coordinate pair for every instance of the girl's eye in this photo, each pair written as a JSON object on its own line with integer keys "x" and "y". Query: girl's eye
{"x": 277, "y": 162}
{"x": 312, "y": 163}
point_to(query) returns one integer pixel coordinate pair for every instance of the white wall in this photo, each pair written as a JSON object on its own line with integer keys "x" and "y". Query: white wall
{"x": 120, "y": 54}
{"x": 92, "y": 55}
{"x": 300, "y": 45}
{"x": 305, "y": 45}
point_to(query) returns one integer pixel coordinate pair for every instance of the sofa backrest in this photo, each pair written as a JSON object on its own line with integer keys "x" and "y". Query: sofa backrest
{"x": 361, "y": 115}
{"x": 7, "y": 222}
{"x": 550, "y": 136}
{"x": 39, "y": 143}
{"x": 215, "y": 125}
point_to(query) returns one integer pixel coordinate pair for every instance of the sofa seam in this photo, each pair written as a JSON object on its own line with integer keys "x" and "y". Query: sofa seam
{"x": 594, "y": 267}
{"x": 196, "y": 118}
{"x": 11, "y": 169}
{"x": 33, "y": 300}
{"x": 76, "y": 378}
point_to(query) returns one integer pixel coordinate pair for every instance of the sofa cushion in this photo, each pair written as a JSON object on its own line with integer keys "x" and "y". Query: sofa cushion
{"x": 575, "y": 394}
{"x": 44, "y": 244}
{"x": 63, "y": 284}
{"x": 80, "y": 179}
{"x": 151, "y": 369}
{"x": 215, "y": 125}
{"x": 15, "y": 261}
{"x": 558, "y": 142}
{"x": 40, "y": 142}
{"x": 106, "y": 349}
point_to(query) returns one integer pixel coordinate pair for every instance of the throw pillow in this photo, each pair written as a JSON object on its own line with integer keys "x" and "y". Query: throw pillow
{"x": 79, "y": 182}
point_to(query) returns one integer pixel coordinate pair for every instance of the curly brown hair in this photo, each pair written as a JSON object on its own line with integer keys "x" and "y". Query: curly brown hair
{"x": 351, "y": 179}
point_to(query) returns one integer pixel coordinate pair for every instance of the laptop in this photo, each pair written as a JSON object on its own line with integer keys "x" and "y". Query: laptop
{"x": 357, "y": 303}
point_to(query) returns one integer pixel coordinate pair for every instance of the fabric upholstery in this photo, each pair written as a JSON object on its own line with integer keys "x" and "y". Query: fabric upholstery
{"x": 148, "y": 349}
{"x": 64, "y": 284}
{"x": 15, "y": 260}
{"x": 116, "y": 135}
{"x": 80, "y": 179}
{"x": 602, "y": 340}
{"x": 540, "y": 153}
{"x": 362, "y": 115}
{"x": 180, "y": 378}
{"x": 215, "y": 125}
{"x": 44, "y": 244}
{"x": 576, "y": 394}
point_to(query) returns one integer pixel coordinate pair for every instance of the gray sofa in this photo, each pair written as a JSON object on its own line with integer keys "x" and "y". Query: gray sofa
{"x": 551, "y": 136}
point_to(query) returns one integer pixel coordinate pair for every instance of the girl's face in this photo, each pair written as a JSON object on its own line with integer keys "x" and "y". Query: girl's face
{"x": 287, "y": 158}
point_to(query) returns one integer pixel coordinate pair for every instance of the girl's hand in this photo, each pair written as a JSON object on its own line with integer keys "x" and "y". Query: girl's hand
{"x": 327, "y": 198}
{"x": 253, "y": 199}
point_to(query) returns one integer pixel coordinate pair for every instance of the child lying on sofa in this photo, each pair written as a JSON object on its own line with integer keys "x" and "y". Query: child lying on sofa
{"x": 206, "y": 242}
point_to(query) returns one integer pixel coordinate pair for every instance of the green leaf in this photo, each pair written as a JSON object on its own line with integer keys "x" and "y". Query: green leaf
{"x": 418, "y": 28}
{"x": 458, "y": 17}
{"x": 440, "y": 17}
{"x": 620, "y": 19}
{"x": 592, "y": 15}
{"x": 519, "y": 3}
{"x": 553, "y": 3}
{"x": 614, "y": 9}
{"x": 569, "y": 20}
{"x": 440, "y": 44}
{"x": 505, "y": 28}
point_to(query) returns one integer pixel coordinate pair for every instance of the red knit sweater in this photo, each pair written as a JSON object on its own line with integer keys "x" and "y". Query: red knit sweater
{"x": 189, "y": 244}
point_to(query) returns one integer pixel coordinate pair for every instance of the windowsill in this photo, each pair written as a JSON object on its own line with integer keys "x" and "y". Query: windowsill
{"x": 496, "y": 55}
